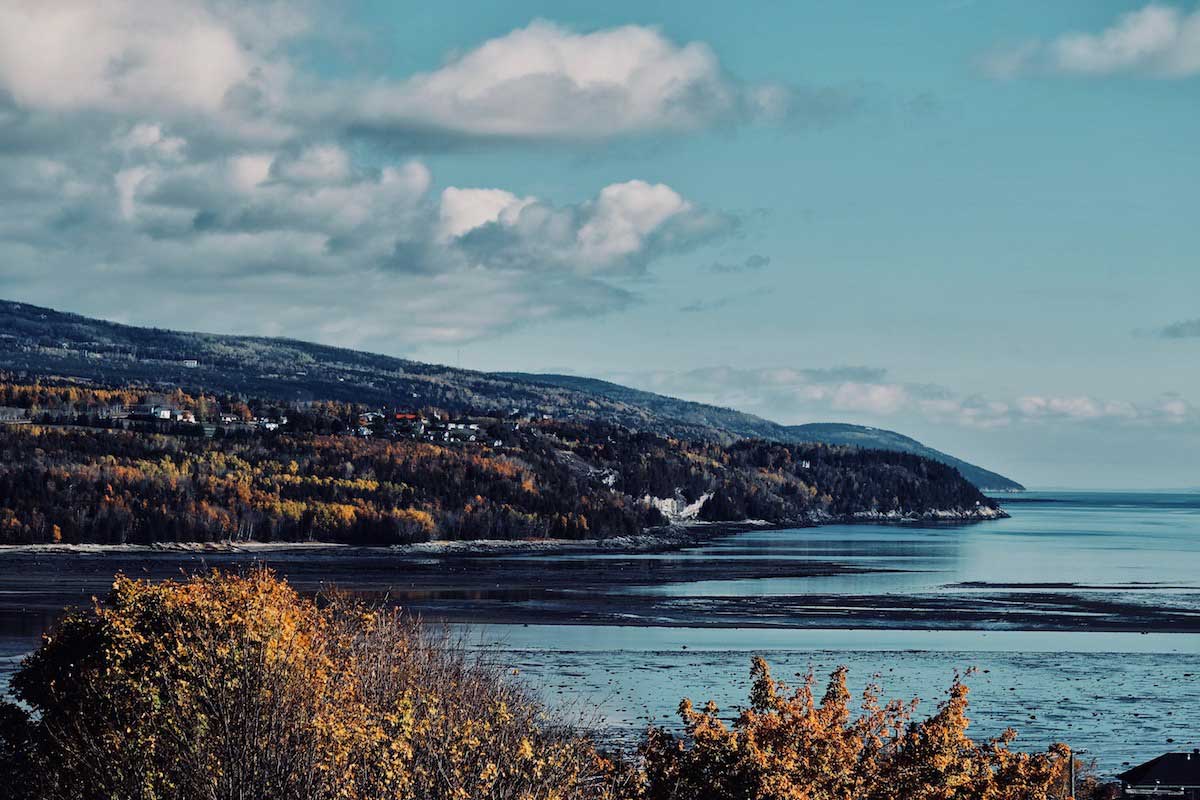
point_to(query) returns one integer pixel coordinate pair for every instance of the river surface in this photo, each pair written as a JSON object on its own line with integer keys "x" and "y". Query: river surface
{"x": 1086, "y": 561}
{"x": 1079, "y": 616}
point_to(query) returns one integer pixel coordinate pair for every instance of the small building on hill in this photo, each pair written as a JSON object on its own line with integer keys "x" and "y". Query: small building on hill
{"x": 1174, "y": 775}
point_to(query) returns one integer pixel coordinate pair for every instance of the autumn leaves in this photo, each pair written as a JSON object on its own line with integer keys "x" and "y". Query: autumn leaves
{"x": 235, "y": 686}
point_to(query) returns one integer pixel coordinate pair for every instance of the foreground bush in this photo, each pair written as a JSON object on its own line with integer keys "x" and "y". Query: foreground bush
{"x": 790, "y": 746}
{"x": 235, "y": 687}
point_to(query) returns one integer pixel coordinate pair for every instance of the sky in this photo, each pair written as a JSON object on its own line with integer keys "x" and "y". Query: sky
{"x": 970, "y": 221}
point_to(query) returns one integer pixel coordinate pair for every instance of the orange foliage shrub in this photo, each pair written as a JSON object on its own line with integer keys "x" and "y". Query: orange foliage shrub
{"x": 789, "y": 746}
{"x": 236, "y": 687}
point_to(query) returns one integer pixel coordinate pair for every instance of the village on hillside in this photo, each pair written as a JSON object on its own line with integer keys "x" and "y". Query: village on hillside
{"x": 181, "y": 414}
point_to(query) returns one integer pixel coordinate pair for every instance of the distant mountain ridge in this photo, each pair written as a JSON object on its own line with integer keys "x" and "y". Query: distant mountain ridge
{"x": 880, "y": 439}
{"x": 43, "y": 341}
{"x": 748, "y": 425}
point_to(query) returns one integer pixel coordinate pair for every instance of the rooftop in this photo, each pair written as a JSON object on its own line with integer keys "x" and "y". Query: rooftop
{"x": 1169, "y": 769}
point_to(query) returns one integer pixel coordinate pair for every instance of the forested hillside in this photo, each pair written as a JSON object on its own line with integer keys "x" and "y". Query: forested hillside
{"x": 38, "y": 341}
{"x": 77, "y": 481}
{"x": 879, "y": 439}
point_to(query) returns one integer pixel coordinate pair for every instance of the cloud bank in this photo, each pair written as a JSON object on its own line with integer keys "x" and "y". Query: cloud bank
{"x": 547, "y": 82}
{"x": 174, "y": 163}
{"x": 869, "y": 395}
{"x": 305, "y": 243}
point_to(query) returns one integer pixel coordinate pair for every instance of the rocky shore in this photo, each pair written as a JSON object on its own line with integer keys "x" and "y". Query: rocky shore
{"x": 977, "y": 514}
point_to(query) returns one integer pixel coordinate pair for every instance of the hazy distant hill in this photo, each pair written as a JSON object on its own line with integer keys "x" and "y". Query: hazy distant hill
{"x": 879, "y": 439}
{"x": 47, "y": 342}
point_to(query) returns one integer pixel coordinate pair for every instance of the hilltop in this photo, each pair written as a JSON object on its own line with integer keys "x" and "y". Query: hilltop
{"x": 44, "y": 342}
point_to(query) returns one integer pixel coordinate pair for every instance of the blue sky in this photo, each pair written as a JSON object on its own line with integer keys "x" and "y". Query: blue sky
{"x": 966, "y": 221}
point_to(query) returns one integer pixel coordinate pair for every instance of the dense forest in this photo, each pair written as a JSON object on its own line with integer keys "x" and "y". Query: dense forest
{"x": 72, "y": 476}
{"x": 42, "y": 342}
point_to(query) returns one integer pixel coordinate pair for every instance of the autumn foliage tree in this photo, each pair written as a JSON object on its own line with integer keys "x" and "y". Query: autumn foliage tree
{"x": 788, "y": 745}
{"x": 118, "y": 487}
{"x": 236, "y": 687}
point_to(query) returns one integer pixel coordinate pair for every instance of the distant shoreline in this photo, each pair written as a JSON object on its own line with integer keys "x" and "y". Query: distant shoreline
{"x": 676, "y": 536}
{"x": 671, "y": 537}
{"x": 598, "y": 582}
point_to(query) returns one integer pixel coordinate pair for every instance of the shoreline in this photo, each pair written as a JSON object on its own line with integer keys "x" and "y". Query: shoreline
{"x": 666, "y": 539}
{"x": 625, "y": 582}
{"x": 678, "y": 535}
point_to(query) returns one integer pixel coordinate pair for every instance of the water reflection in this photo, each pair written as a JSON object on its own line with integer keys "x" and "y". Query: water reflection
{"x": 1127, "y": 542}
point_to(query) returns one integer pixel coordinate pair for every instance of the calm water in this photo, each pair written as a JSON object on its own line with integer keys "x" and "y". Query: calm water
{"x": 1079, "y": 614}
{"x": 1147, "y": 542}
{"x": 1124, "y": 696}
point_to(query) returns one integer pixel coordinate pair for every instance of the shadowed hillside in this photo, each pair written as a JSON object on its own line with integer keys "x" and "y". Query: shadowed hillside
{"x": 748, "y": 425}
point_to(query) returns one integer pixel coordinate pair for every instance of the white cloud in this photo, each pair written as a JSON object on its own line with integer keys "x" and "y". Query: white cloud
{"x": 545, "y": 81}
{"x": 623, "y": 216}
{"x": 786, "y": 393}
{"x": 127, "y": 183}
{"x": 868, "y": 396}
{"x": 1175, "y": 409}
{"x": 1158, "y": 40}
{"x": 123, "y": 56}
{"x": 228, "y": 69}
{"x": 248, "y": 171}
{"x": 150, "y": 137}
{"x": 411, "y": 177}
{"x": 316, "y": 164}
{"x": 623, "y": 229}
{"x": 1075, "y": 407}
{"x": 881, "y": 399}
{"x": 464, "y": 210}
{"x": 1010, "y": 61}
